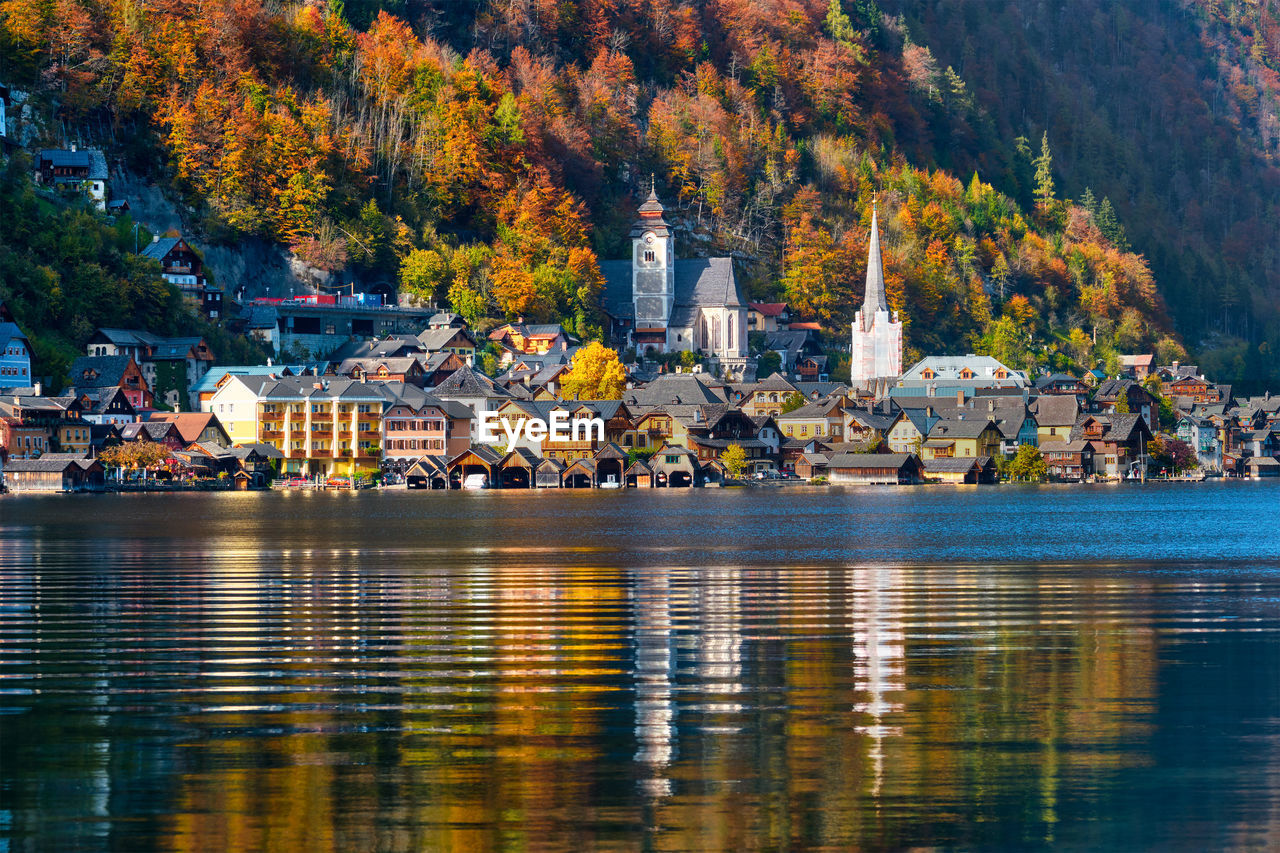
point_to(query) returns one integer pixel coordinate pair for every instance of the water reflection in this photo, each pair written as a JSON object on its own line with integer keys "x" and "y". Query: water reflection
{"x": 294, "y": 684}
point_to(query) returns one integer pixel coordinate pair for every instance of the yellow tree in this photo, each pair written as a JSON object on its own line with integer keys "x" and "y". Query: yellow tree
{"x": 596, "y": 374}
{"x": 734, "y": 460}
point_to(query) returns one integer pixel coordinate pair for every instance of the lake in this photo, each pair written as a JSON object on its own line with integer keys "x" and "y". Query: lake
{"x": 1088, "y": 667}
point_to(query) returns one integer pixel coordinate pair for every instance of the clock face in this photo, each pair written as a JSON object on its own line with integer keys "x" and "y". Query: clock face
{"x": 648, "y": 238}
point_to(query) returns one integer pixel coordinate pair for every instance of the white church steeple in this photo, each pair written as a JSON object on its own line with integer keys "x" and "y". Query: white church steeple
{"x": 877, "y": 339}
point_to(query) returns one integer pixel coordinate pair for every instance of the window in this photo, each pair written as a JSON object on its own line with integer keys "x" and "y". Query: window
{"x": 648, "y": 256}
{"x": 673, "y": 460}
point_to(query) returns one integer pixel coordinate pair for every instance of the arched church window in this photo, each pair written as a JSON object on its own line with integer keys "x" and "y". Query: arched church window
{"x": 728, "y": 344}
{"x": 706, "y": 339}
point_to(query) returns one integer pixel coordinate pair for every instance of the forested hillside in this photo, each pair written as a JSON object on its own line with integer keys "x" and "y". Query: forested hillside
{"x": 488, "y": 154}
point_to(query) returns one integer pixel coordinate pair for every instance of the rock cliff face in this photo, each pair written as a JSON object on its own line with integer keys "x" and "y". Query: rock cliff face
{"x": 259, "y": 267}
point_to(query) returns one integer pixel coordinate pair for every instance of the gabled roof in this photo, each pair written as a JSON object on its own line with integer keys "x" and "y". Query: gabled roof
{"x": 774, "y": 382}
{"x": 868, "y": 460}
{"x": 98, "y": 371}
{"x": 1055, "y": 410}
{"x": 970, "y": 427}
{"x": 189, "y": 424}
{"x": 434, "y": 340}
{"x": 469, "y": 382}
{"x": 952, "y": 465}
{"x": 157, "y": 249}
{"x": 768, "y": 309}
{"x": 698, "y": 282}
{"x": 11, "y": 332}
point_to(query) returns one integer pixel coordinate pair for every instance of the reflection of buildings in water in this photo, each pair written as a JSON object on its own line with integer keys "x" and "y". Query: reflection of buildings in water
{"x": 655, "y": 671}
{"x": 879, "y": 670}
{"x": 719, "y": 663}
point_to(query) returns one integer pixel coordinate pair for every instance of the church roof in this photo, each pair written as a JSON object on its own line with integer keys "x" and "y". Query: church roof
{"x": 875, "y": 300}
{"x": 650, "y": 217}
{"x": 700, "y": 282}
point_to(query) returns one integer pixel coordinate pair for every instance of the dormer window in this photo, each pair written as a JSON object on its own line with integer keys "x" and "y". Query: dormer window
{"x": 928, "y": 373}
{"x": 966, "y": 374}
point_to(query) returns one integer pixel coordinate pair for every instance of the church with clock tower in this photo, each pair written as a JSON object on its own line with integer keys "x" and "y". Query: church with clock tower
{"x": 659, "y": 304}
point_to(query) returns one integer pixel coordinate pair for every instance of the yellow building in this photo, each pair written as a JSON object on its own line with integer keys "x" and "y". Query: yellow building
{"x": 323, "y": 427}
{"x": 968, "y": 437}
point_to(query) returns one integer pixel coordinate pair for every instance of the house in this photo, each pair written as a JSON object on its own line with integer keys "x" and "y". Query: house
{"x": 961, "y": 470}
{"x": 128, "y": 342}
{"x": 1137, "y": 367}
{"x": 107, "y": 406}
{"x": 74, "y": 171}
{"x": 1107, "y": 398}
{"x": 518, "y": 469}
{"x": 944, "y": 375}
{"x": 416, "y": 424}
{"x": 182, "y": 267}
{"x": 531, "y": 339}
{"x": 446, "y": 320}
{"x": 874, "y": 469}
{"x": 174, "y": 367}
{"x": 792, "y": 346}
{"x": 1055, "y": 417}
{"x": 163, "y": 433}
{"x": 55, "y": 472}
{"x": 260, "y": 461}
{"x": 767, "y": 316}
{"x": 870, "y": 423}
{"x": 195, "y": 427}
{"x": 1061, "y": 384}
{"x": 767, "y": 397}
{"x": 1119, "y": 441}
{"x": 1201, "y": 435}
{"x": 722, "y": 427}
{"x": 1067, "y": 460}
{"x": 449, "y": 339}
{"x": 824, "y": 418}
{"x": 971, "y": 436}
{"x": 407, "y": 369}
{"x": 99, "y": 373}
{"x": 474, "y": 390}
{"x": 15, "y": 353}
{"x": 908, "y": 432}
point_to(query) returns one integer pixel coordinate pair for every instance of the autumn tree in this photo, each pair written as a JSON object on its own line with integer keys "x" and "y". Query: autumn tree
{"x": 734, "y": 459}
{"x": 1028, "y": 465}
{"x": 596, "y": 374}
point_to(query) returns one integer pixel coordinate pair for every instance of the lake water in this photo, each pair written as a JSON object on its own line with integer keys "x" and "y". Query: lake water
{"x": 996, "y": 668}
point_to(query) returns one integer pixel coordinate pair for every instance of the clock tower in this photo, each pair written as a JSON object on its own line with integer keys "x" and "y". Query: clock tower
{"x": 653, "y": 277}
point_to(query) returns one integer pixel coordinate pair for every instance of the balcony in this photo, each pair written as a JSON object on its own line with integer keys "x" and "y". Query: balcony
{"x": 369, "y": 435}
{"x": 272, "y": 435}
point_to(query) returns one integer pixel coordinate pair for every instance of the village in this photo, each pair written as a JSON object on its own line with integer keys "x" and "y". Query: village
{"x": 402, "y": 395}
{"x": 405, "y": 410}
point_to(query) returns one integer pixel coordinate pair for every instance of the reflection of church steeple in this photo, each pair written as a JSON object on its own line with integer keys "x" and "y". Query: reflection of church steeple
{"x": 878, "y": 649}
{"x": 655, "y": 670}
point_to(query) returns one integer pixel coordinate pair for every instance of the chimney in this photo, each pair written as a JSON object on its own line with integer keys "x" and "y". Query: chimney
{"x": 959, "y": 396}
{"x": 928, "y": 412}
{"x": 1175, "y": 368}
{"x": 155, "y": 238}
{"x": 39, "y": 388}
{"x": 73, "y": 146}
{"x": 991, "y": 405}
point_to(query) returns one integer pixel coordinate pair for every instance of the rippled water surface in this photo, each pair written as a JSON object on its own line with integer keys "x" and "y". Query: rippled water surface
{"x": 1005, "y": 668}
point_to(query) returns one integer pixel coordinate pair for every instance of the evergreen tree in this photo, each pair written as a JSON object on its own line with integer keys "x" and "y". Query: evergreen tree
{"x": 1089, "y": 203}
{"x": 1044, "y": 173}
{"x": 1109, "y": 225}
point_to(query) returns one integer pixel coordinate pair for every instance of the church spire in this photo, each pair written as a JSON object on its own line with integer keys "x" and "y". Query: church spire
{"x": 874, "y": 300}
